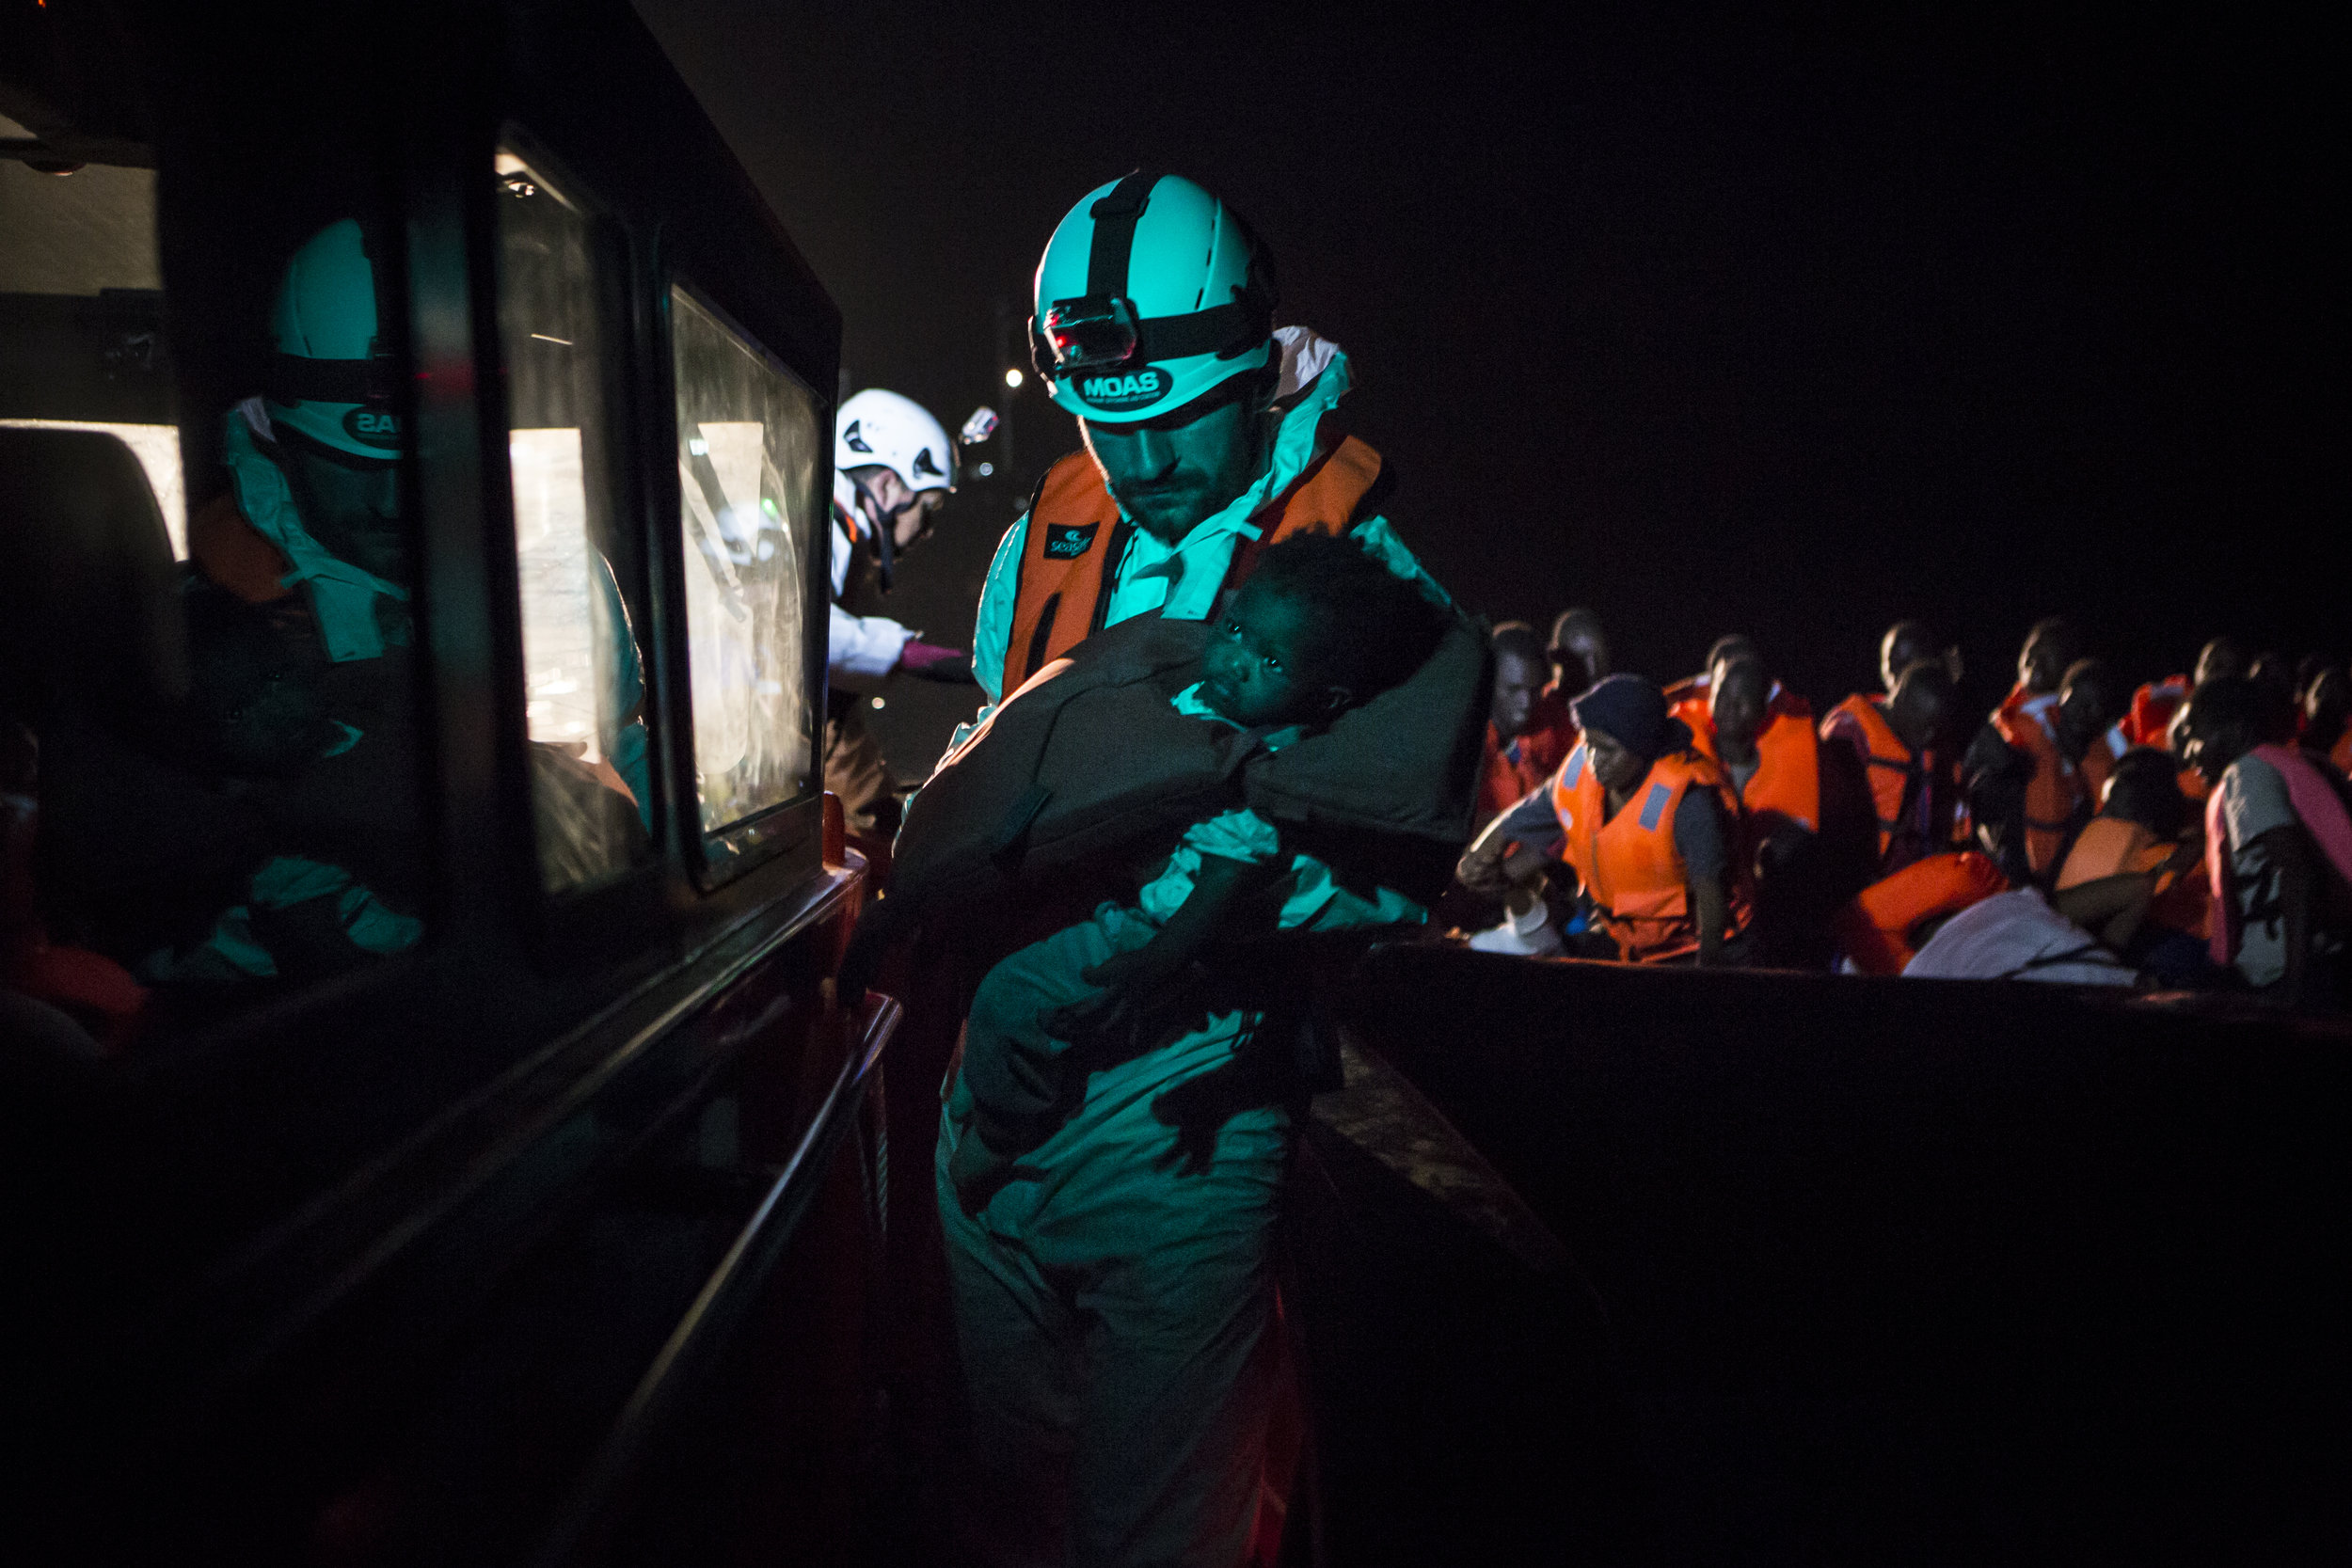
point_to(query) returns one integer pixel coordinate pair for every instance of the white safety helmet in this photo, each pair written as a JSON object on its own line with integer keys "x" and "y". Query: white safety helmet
{"x": 1150, "y": 292}
{"x": 897, "y": 433}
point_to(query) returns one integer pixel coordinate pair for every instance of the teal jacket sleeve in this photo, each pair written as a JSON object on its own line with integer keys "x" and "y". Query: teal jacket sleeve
{"x": 991, "y": 629}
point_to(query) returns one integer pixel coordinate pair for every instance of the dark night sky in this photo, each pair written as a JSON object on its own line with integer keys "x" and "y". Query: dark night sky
{"x": 1784, "y": 319}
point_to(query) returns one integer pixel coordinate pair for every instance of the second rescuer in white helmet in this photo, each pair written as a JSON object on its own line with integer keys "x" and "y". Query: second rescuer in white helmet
{"x": 893, "y": 465}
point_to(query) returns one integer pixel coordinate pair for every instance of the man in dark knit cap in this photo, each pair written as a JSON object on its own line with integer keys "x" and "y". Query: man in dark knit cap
{"x": 1641, "y": 817}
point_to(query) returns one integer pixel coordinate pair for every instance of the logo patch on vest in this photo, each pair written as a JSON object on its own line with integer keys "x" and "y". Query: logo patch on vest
{"x": 1069, "y": 541}
{"x": 374, "y": 427}
{"x": 1124, "y": 389}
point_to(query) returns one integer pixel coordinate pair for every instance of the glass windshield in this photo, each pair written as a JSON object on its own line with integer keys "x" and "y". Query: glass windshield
{"x": 747, "y": 470}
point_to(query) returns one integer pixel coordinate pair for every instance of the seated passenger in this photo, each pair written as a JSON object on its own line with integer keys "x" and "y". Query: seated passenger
{"x": 1644, "y": 821}
{"x": 2023, "y": 795}
{"x": 2134, "y": 876}
{"x": 1922, "y": 874}
{"x": 1579, "y": 656}
{"x": 1579, "y": 651}
{"x": 1909, "y": 642}
{"x": 1899, "y": 742}
{"x": 301, "y": 756}
{"x": 1111, "y": 1157}
{"x": 1800, "y": 831}
{"x": 2278, "y": 847}
{"x": 1512, "y": 762}
{"x": 1686, "y": 699}
{"x": 2327, "y": 718}
{"x": 2090, "y": 732}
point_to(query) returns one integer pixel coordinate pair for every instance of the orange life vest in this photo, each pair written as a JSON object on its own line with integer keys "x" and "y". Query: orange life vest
{"x": 2056, "y": 788}
{"x": 2339, "y": 754}
{"x": 1507, "y": 773}
{"x": 1875, "y": 927}
{"x": 1887, "y": 762}
{"x": 1552, "y": 732}
{"x": 2153, "y": 706}
{"x": 1069, "y": 559}
{"x": 1786, "y": 784}
{"x": 1628, "y": 864}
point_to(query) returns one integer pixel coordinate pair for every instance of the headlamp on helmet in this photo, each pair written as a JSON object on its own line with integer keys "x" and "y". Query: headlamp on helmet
{"x": 1125, "y": 328}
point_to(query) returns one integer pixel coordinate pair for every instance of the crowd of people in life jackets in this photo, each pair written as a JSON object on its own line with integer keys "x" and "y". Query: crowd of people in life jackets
{"x": 2188, "y": 833}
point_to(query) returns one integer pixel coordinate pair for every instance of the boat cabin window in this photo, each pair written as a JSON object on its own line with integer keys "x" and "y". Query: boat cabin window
{"x": 584, "y": 669}
{"x": 209, "y": 760}
{"x": 748, "y": 464}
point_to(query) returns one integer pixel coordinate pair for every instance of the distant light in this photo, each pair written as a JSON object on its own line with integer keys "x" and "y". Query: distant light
{"x": 1013, "y": 378}
{"x": 985, "y": 470}
{"x": 878, "y": 701}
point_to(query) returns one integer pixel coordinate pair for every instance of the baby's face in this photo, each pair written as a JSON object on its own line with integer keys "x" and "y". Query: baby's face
{"x": 1253, "y": 670}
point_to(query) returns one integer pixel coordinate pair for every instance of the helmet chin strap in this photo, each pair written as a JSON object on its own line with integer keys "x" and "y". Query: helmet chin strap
{"x": 885, "y": 526}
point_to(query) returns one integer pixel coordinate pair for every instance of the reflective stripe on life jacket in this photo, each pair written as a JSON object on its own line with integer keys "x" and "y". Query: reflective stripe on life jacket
{"x": 1076, "y": 534}
{"x": 1629, "y": 865}
{"x": 2026, "y": 722}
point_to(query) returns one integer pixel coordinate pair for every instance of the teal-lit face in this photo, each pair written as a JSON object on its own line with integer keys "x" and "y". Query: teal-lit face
{"x": 1253, "y": 671}
{"x": 1176, "y": 472}
{"x": 350, "y": 505}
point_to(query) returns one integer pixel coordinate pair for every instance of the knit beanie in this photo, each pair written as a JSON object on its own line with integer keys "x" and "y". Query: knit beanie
{"x": 1632, "y": 711}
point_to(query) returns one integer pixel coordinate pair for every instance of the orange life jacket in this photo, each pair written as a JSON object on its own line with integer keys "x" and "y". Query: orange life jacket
{"x": 2152, "y": 707}
{"x": 1628, "y": 864}
{"x": 1069, "y": 559}
{"x": 1786, "y": 784}
{"x": 1875, "y": 927}
{"x": 1887, "y": 762}
{"x": 1507, "y": 773}
{"x": 2056, "y": 788}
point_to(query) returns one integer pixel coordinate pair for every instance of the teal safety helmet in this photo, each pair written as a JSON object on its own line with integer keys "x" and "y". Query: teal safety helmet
{"x": 1150, "y": 292}
{"x": 331, "y": 379}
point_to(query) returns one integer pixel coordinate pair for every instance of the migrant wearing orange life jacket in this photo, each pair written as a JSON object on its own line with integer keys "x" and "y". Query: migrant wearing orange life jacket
{"x": 1787, "y": 784}
{"x": 1627, "y": 863}
{"x": 1070, "y": 562}
{"x": 1875, "y": 929}
{"x": 2150, "y": 719}
{"x": 1552, "y": 732}
{"x": 1508, "y": 772}
{"x": 2029, "y": 723}
{"x": 1903, "y": 786}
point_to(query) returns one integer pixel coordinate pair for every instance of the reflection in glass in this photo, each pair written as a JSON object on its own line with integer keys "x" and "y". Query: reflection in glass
{"x": 747, "y": 471}
{"x": 584, "y": 684}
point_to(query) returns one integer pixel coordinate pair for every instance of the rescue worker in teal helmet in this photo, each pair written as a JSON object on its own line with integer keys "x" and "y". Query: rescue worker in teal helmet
{"x": 1208, "y": 430}
{"x": 1123, "y": 1420}
{"x": 300, "y": 627}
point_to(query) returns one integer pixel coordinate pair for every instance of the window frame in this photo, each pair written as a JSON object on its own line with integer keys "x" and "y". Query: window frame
{"x": 716, "y": 859}
{"x": 598, "y": 922}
